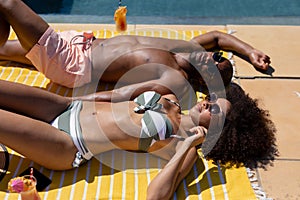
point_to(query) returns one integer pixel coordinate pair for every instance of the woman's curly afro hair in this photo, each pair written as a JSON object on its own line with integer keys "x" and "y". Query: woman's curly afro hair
{"x": 248, "y": 136}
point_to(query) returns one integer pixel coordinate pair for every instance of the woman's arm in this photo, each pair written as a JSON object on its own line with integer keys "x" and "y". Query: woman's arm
{"x": 176, "y": 169}
{"x": 171, "y": 175}
{"x": 216, "y": 40}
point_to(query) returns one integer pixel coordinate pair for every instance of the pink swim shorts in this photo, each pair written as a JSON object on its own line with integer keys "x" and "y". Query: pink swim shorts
{"x": 64, "y": 58}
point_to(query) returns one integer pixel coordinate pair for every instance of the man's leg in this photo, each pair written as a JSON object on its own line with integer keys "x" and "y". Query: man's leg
{"x": 28, "y": 26}
{"x": 13, "y": 51}
{"x": 4, "y": 31}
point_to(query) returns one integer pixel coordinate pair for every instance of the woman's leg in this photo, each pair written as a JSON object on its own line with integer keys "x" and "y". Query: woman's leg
{"x": 36, "y": 140}
{"x": 28, "y": 26}
{"x": 30, "y": 101}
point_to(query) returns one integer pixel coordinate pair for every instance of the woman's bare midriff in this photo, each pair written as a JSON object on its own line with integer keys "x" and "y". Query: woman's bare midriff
{"x": 106, "y": 127}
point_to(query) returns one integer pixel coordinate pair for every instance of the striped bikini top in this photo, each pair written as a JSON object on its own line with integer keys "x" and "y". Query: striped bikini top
{"x": 155, "y": 125}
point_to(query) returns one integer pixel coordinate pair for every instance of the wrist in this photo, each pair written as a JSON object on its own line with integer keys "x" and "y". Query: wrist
{"x": 184, "y": 145}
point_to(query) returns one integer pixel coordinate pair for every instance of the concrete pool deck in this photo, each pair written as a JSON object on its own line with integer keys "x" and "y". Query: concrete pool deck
{"x": 279, "y": 93}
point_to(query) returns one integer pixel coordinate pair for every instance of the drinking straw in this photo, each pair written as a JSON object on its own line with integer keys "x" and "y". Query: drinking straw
{"x": 31, "y": 173}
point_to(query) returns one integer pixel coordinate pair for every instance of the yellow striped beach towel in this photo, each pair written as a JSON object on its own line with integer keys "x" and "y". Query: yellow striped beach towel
{"x": 121, "y": 175}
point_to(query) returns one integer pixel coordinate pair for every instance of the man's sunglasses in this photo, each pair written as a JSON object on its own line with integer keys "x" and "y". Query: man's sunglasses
{"x": 213, "y": 108}
{"x": 217, "y": 57}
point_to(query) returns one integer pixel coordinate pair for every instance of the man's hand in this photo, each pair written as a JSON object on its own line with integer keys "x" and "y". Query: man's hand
{"x": 259, "y": 59}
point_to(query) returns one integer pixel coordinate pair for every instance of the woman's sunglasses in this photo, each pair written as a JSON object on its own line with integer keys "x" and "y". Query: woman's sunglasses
{"x": 213, "y": 108}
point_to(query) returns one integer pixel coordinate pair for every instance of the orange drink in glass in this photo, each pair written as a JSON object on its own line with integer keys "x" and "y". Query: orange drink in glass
{"x": 25, "y": 186}
{"x": 120, "y": 19}
{"x": 30, "y": 193}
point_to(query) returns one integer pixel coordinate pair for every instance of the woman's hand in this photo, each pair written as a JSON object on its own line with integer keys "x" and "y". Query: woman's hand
{"x": 197, "y": 136}
{"x": 259, "y": 59}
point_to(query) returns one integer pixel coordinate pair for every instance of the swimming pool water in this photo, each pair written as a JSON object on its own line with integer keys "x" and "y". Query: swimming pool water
{"x": 172, "y": 11}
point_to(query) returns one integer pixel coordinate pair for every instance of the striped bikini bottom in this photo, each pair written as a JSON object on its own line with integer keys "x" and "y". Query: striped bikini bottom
{"x": 69, "y": 122}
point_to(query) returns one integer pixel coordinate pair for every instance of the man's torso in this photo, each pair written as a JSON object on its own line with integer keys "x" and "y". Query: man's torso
{"x": 131, "y": 59}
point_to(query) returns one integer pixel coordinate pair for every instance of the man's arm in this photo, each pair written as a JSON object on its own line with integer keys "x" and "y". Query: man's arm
{"x": 127, "y": 92}
{"x": 216, "y": 40}
{"x": 170, "y": 82}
